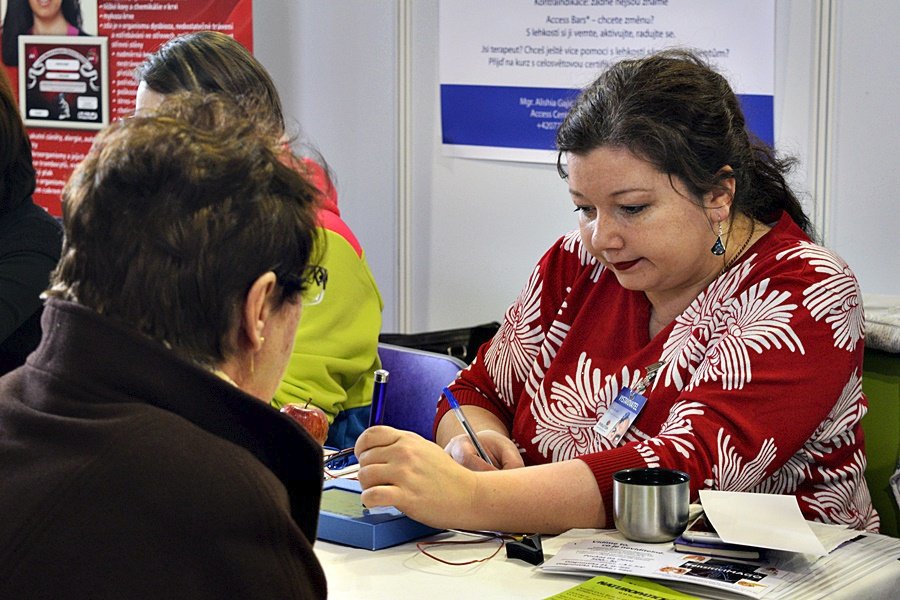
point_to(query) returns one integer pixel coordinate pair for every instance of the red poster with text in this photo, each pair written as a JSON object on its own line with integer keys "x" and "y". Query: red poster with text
{"x": 71, "y": 82}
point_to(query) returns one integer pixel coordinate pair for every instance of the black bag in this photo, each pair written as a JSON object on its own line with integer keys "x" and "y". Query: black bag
{"x": 463, "y": 343}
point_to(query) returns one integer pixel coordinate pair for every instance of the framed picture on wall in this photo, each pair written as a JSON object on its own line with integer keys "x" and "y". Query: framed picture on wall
{"x": 63, "y": 81}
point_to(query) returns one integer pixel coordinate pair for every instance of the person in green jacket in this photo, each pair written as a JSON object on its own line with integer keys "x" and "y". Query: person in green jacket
{"x": 336, "y": 348}
{"x": 336, "y": 345}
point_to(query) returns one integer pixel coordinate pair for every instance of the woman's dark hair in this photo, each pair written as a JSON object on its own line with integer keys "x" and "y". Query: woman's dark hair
{"x": 19, "y": 20}
{"x": 674, "y": 111}
{"x": 174, "y": 214}
{"x": 212, "y": 62}
{"x": 18, "y": 180}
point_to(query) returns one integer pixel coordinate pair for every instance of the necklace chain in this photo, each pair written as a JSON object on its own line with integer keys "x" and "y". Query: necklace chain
{"x": 742, "y": 248}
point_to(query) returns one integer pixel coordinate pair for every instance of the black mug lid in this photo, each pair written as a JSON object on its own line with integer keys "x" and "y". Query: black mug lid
{"x": 651, "y": 476}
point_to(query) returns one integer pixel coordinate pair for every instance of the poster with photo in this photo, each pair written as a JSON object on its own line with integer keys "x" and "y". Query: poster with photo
{"x": 57, "y": 18}
{"x": 129, "y": 32}
{"x": 63, "y": 82}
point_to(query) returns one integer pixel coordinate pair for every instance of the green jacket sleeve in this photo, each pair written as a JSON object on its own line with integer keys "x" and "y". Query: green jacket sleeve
{"x": 336, "y": 346}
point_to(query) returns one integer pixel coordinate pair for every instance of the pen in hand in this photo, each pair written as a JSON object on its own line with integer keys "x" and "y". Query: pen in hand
{"x": 454, "y": 404}
{"x": 379, "y": 392}
{"x": 376, "y": 414}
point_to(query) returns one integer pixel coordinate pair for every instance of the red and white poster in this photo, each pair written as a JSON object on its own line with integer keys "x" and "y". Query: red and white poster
{"x": 76, "y": 73}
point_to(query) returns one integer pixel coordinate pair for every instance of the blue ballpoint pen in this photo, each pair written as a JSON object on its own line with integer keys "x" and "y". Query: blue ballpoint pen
{"x": 454, "y": 404}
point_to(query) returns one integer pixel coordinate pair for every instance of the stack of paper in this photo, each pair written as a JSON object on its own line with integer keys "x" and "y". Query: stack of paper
{"x": 812, "y": 560}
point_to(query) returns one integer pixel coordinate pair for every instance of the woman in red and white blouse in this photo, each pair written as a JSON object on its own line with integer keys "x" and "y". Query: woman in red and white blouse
{"x": 694, "y": 260}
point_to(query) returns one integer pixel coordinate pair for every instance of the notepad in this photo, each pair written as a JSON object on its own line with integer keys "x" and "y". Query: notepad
{"x": 721, "y": 549}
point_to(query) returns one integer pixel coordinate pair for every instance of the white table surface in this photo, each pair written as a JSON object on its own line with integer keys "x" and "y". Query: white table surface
{"x": 404, "y": 572}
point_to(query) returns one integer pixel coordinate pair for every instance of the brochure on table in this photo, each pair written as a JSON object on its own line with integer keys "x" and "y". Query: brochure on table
{"x": 782, "y": 575}
{"x": 626, "y": 588}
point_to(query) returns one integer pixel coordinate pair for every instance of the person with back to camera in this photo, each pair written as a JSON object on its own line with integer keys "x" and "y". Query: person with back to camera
{"x": 30, "y": 240}
{"x": 38, "y": 17}
{"x": 336, "y": 350}
{"x": 691, "y": 251}
{"x": 141, "y": 458}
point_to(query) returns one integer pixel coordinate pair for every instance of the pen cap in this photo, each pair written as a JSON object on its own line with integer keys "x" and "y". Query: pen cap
{"x": 381, "y": 376}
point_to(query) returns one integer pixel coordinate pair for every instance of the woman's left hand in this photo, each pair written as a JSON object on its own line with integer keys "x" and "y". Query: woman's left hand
{"x": 503, "y": 452}
{"x": 402, "y": 469}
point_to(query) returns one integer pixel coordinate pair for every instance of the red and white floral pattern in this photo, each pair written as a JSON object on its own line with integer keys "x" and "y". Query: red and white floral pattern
{"x": 760, "y": 390}
{"x": 836, "y": 297}
{"x": 516, "y": 344}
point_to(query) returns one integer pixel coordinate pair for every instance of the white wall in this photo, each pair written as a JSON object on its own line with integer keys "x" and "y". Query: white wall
{"x": 335, "y": 63}
{"x": 482, "y": 224}
{"x": 479, "y": 226}
{"x": 863, "y": 176}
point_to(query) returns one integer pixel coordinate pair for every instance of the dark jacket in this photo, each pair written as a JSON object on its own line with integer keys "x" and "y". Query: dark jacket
{"x": 30, "y": 242}
{"x": 129, "y": 473}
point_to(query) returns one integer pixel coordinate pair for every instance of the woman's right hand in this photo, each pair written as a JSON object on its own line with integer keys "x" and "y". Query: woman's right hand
{"x": 501, "y": 450}
{"x": 401, "y": 469}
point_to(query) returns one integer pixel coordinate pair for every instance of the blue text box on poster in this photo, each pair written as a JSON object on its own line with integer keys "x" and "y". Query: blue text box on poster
{"x": 528, "y": 117}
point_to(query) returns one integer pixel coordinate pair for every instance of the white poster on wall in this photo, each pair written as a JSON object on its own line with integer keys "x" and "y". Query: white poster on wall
{"x": 510, "y": 69}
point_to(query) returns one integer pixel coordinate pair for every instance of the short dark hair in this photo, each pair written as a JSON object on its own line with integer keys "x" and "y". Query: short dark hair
{"x": 674, "y": 111}
{"x": 174, "y": 214}
{"x": 209, "y": 61}
{"x": 17, "y": 171}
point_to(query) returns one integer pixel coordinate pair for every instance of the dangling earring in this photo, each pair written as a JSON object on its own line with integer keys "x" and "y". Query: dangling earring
{"x": 718, "y": 248}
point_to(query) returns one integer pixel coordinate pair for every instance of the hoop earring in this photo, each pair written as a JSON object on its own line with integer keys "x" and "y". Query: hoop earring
{"x": 718, "y": 248}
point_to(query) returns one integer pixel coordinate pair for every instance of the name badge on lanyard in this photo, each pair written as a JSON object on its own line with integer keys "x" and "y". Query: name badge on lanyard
{"x": 620, "y": 416}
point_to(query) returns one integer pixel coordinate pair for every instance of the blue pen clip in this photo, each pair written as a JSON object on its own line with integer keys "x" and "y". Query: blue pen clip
{"x": 457, "y": 410}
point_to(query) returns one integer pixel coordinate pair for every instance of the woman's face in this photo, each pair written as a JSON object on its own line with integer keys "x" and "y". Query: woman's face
{"x": 45, "y": 9}
{"x": 273, "y": 357}
{"x": 653, "y": 238}
{"x": 280, "y": 332}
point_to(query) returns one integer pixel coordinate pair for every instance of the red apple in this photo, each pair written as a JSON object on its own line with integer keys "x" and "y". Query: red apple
{"x": 312, "y": 418}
